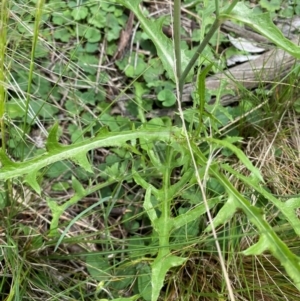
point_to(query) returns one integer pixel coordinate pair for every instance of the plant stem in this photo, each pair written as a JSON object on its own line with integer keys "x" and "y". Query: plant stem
{"x": 165, "y": 207}
{"x": 198, "y": 51}
{"x": 3, "y": 42}
{"x": 3, "y": 93}
{"x": 217, "y": 8}
{"x": 38, "y": 16}
{"x": 176, "y": 36}
{"x": 201, "y": 47}
{"x": 230, "y": 8}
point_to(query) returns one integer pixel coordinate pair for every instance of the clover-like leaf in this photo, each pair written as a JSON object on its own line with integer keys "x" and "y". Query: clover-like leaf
{"x": 270, "y": 6}
{"x": 167, "y": 97}
{"x": 79, "y": 13}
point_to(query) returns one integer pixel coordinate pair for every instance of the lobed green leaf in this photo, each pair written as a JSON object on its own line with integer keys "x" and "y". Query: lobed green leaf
{"x": 75, "y": 152}
{"x": 263, "y": 24}
{"x": 164, "y": 45}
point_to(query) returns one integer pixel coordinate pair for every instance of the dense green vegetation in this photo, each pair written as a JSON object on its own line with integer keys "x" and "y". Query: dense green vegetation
{"x": 152, "y": 197}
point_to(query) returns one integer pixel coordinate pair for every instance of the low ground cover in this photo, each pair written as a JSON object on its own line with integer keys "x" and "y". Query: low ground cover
{"x": 108, "y": 194}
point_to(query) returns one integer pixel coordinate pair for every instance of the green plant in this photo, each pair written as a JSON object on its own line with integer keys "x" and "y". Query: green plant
{"x": 177, "y": 168}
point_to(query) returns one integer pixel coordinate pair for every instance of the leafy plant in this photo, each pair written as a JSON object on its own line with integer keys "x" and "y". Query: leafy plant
{"x": 163, "y": 225}
{"x": 166, "y": 162}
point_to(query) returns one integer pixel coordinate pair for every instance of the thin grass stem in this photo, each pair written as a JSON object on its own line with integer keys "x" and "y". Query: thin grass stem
{"x": 3, "y": 44}
{"x": 38, "y": 16}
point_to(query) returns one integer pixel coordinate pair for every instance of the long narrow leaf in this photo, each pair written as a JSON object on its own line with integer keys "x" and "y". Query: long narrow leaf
{"x": 164, "y": 46}
{"x": 268, "y": 238}
{"x": 76, "y": 152}
{"x": 262, "y": 23}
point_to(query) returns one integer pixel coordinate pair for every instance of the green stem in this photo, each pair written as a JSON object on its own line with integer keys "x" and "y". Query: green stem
{"x": 204, "y": 43}
{"x": 217, "y": 8}
{"x": 3, "y": 42}
{"x": 38, "y": 16}
{"x": 230, "y": 8}
{"x": 198, "y": 51}
{"x": 165, "y": 199}
{"x": 4, "y": 11}
{"x": 177, "y": 36}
